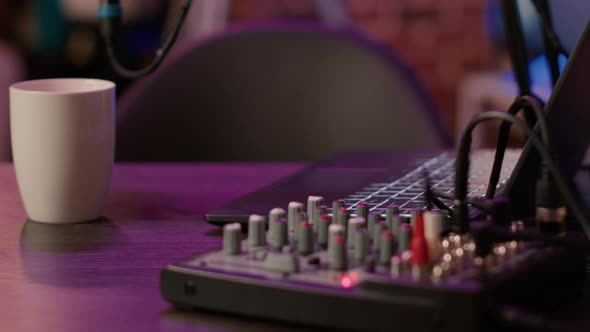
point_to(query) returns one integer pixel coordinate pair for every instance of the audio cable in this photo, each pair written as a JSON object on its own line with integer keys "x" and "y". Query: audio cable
{"x": 110, "y": 14}
{"x": 551, "y": 42}
{"x": 551, "y": 211}
{"x": 543, "y": 10}
{"x": 460, "y": 212}
{"x": 520, "y": 103}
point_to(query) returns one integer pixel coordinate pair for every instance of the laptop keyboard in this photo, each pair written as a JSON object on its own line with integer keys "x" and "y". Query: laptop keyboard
{"x": 407, "y": 191}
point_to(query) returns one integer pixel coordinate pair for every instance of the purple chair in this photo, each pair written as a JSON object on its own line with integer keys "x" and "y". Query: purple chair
{"x": 276, "y": 92}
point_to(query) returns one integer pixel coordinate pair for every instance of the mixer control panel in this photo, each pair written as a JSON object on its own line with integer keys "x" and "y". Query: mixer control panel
{"x": 363, "y": 270}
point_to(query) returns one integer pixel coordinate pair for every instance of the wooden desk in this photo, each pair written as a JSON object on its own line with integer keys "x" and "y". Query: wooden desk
{"x": 104, "y": 276}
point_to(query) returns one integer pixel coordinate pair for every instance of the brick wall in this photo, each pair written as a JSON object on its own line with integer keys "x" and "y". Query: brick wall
{"x": 442, "y": 39}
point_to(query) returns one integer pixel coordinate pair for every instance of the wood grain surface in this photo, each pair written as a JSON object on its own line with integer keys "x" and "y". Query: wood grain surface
{"x": 104, "y": 276}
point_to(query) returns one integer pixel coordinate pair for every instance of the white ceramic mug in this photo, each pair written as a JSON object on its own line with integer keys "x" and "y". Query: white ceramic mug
{"x": 63, "y": 135}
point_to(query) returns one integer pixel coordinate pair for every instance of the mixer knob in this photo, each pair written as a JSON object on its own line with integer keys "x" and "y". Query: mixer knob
{"x": 256, "y": 231}
{"x": 353, "y": 225}
{"x": 323, "y": 224}
{"x": 334, "y": 231}
{"x": 305, "y": 238}
{"x": 394, "y": 223}
{"x": 301, "y": 216}
{"x": 373, "y": 218}
{"x": 336, "y": 206}
{"x": 419, "y": 248}
{"x": 312, "y": 203}
{"x": 342, "y": 216}
{"x": 405, "y": 233}
{"x": 385, "y": 247}
{"x": 274, "y": 215}
{"x": 319, "y": 211}
{"x": 396, "y": 264}
{"x": 293, "y": 209}
{"x": 232, "y": 239}
{"x": 433, "y": 223}
{"x": 361, "y": 244}
{"x": 391, "y": 210}
{"x": 338, "y": 253}
{"x": 413, "y": 215}
{"x": 280, "y": 235}
{"x": 378, "y": 228}
{"x": 362, "y": 210}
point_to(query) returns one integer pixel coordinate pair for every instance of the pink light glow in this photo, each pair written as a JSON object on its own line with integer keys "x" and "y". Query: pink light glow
{"x": 346, "y": 282}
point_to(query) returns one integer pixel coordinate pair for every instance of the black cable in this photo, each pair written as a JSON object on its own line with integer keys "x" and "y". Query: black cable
{"x": 110, "y": 18}
{"x": 503, "y": 135}
{"x": 551, "y": 43}
{"x": 460, "y": 214}
{"x": 543, "y": 11}
{"x": 516, "y": 45}
{"x": 551, "y": 52}
{"x": 443, "y": 195}
{"x": 440, "y": 204}
{"x": 486, "y": 234}
{"x": 484, "y": 205}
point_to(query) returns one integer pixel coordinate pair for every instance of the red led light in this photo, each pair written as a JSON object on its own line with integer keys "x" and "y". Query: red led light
{"x": 346, "y": 282}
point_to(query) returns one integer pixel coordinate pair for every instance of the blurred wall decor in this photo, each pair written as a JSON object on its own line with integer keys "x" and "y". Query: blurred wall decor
{"x": 445, "y": 41}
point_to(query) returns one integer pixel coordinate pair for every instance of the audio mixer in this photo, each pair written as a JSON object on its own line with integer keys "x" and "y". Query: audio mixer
{"x": 364, "y": 270}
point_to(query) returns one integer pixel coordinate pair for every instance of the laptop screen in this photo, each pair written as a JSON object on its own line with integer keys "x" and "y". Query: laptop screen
{"x": 569, "y": 18}
{"x": 568, "y": 118}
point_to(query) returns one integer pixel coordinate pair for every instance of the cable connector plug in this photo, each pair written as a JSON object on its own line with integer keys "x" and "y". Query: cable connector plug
{"x": 551, "y": 208}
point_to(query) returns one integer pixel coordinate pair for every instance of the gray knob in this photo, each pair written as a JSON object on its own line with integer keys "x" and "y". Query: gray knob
{"x": 433, "y": 222}
{"x": 334, "y": 231}
{"x": 362, "y": 210}
{"x": 342, "y": 217}
{"x": 256, "y": 231}
{"x": 292, "y": 211}
{"x": 338, "y": 253}
{"x": 373, "y": 218}
{"x": 336, "y": 206}
{"x": 391, "y": 210}
{"x": 395, "y": 223}
{"x": 361, "y": 245}
{"x": 323, "y": 225}
{"x": 305, "y": 238}
{"x": 312, "y": 203}
{"x": 274, "y": 215}
{"x": 232, "y": 239}
{"x": 403, "y": 238}
{"x": 385, "y": 248}
{"x": 396, "y": 266}
{"x": 377, "y": 230}
{"x": 280, "y": 235}
{"x": 319, "y": 211}
{"x": 301, "y": 216}
{"x": 353, "y": 225}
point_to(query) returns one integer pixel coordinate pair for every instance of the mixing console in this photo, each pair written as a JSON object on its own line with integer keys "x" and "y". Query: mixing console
{"x": 360, "y": 270}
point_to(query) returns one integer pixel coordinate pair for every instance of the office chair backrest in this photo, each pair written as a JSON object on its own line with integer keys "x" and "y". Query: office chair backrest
{"x": 276, "y": 92}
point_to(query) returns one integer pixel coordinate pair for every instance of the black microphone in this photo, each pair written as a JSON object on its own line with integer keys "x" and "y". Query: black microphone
{"x": 110, "y": 14}
{"x": 110, "y": 10}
